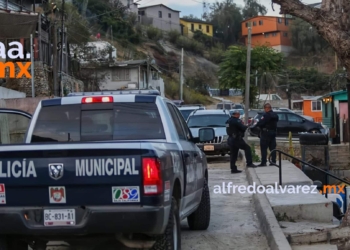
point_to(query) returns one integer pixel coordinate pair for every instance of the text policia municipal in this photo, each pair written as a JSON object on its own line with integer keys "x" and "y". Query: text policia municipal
{"x": 83, "y": 167}
{"x": 15, "y": 52}
{"x": 260, "y": 189}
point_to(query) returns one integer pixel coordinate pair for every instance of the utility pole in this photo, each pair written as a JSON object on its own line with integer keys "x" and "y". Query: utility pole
{"x": 54, "y": 55}
{"x": 256, "y": 78}
{"x": 112, "y": 34}
{"x": 182, "y": 74}
{"x": 62, "y": 46}
{"x": 147, "y": 72}
{"x": 32, "y": 64}
{"x": 247, "y": 83}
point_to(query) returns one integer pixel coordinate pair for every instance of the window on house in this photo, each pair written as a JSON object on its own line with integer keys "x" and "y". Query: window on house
{"x": 254, "y": 23}
{"x": 159, "y": 14}
{"x": 120, "y": 75}
{"x": 279, "y": 20}
{"x": 274, "y": 34}
{"x": 261, "y": 22}
{"x": 246, "y": 24}
{"x": 200, "y": 26}
{"x": 326, "y": 110}
{"x": 266, "y": 35}
{"x": 285, "y": 34}
{"x": 208, "y": 30}
{"x": 286, "y": 22}
{"x": 155, "y": 75}
{"x": 169, "y": 15}
{"x": 192, "y": 27}
{"x": 142, "y": 13}
{"x": 316, "y": 106}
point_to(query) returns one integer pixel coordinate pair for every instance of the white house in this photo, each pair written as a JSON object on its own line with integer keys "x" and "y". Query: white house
{"x": 132, "y": 75}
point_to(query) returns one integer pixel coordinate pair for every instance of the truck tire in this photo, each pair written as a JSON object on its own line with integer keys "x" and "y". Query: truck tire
{"x": 171, "y": 239}
{"x": 200, "y": 219}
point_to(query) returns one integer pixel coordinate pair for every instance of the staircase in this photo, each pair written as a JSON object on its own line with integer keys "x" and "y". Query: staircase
{"x": 305, "y": 218}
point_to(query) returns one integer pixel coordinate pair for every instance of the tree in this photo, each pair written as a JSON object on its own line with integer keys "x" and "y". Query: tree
{"x": 253, "y": 8}
{"x": 232, "y": 70}
{"x": 191, "y": 17}
{"x": 226, "y": 18}
{"x": 305, "y": 38}
{"x": 332, "y": 21}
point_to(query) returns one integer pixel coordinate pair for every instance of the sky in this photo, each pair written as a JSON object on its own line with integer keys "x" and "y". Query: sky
{"x": 195, "y": 7}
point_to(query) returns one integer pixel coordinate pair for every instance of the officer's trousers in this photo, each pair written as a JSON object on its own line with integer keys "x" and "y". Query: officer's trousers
{"x": 235, "y": 145}
{"x": 267, "y": 141}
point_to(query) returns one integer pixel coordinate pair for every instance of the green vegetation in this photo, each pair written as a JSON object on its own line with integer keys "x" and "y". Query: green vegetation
{"x": 232, "y": 71}
{"x": 190, "y": 96}
{"x": 255, "y": 157}
{"x": 154, "y": 33}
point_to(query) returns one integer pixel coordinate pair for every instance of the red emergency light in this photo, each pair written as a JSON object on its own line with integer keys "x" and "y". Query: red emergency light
{"x": 97, "y": 99}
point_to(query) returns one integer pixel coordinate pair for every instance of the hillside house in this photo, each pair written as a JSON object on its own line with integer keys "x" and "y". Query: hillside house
{"x": 189, "y": 26}
{"x": 161, "y": 17}
{"x": 271, "y": 31}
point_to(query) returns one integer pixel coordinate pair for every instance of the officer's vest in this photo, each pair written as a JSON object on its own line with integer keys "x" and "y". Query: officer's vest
{"x": 229, "y": 129}
{"x": 272, "y": 124}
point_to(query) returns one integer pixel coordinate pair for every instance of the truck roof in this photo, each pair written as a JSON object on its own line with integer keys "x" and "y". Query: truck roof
{"x": 107, "y": 96}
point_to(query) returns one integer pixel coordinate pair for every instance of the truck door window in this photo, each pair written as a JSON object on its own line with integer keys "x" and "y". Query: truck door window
{"x": 177, "y": 122}
{"x": 13, "y": 128}
{"x": 183, "y": 123}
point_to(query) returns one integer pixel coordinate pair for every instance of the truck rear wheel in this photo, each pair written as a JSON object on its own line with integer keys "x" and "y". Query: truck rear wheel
{"x": 171, "y": 239}
{"x": 200, "y": 219}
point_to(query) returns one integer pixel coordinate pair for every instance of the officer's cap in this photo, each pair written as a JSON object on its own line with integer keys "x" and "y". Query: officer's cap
{"x": 236, "y": 112}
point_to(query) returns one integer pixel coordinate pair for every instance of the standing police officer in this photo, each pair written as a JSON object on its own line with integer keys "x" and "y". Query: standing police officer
{"x": 268, "y": 129}
{"x": 235, "y": 130}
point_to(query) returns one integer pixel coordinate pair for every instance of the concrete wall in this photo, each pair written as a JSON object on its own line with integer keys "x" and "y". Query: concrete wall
{"x": 6, "y": 93}
{"x": 26, "y": 104}
{"x": 109, "y": 84}
{"x": 41, "y": 82}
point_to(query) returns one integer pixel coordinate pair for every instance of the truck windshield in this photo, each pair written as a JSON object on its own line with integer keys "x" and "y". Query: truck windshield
{"x": 126, "y": 121}
{"x": 198, "y": 121}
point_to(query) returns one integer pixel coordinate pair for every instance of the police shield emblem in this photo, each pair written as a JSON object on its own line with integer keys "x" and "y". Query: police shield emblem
{"x": 56, "y": 170}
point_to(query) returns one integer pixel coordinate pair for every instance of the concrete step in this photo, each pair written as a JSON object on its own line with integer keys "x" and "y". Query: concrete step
{"x": 290, "y": 206}
{"x": 304, "y": 227}
{"x": 315, "y": 247}
{"x": 291, "y": 175}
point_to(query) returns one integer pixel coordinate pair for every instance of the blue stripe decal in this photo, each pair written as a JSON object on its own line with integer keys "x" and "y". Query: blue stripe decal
{"x": 145, "y": 98}
{"x": 51, "y": 102}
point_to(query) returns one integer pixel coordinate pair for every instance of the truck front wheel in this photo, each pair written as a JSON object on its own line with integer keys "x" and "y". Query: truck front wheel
{"x": 171, "y": 239}
{"x": 200, "y": 219}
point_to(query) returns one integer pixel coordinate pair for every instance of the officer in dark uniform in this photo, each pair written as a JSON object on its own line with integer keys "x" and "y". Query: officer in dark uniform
{"x": 235, "y": 130}
{"x": 268, "y": 129}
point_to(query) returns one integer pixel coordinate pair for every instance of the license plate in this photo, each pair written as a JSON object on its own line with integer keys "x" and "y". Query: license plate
{"x": 208, "y": 148}
{"x": 59, "y": 217}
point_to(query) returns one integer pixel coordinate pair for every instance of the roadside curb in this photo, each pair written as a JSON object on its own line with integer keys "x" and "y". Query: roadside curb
{"x": 268, "y": 222}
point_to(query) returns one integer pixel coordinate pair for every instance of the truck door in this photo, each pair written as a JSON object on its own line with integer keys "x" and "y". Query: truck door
{"x": 13, "y": 125}
{"x": 193, "y": 178}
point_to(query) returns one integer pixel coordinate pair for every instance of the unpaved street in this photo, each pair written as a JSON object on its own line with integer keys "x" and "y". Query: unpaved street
{"x": 233, "y": 221}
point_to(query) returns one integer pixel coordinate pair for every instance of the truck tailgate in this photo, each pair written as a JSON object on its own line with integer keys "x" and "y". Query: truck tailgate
{"x": 71, "y": 174}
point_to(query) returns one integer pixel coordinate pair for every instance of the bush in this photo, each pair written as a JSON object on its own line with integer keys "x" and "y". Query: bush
{"x": 190, "y": 45}
{"x": 172, "y": 90}
{"x": 154, "y": 33}
{"x": 173, "y": 35}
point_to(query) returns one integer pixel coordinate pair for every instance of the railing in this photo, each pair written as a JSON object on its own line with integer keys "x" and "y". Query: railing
{"x": 280, "y": 153}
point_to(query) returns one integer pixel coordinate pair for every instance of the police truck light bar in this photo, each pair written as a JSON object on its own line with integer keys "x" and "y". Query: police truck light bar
{"x": 97, "y": 99}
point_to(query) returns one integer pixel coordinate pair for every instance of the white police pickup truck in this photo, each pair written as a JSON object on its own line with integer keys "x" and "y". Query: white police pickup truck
{"x": 121, "y": 164}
